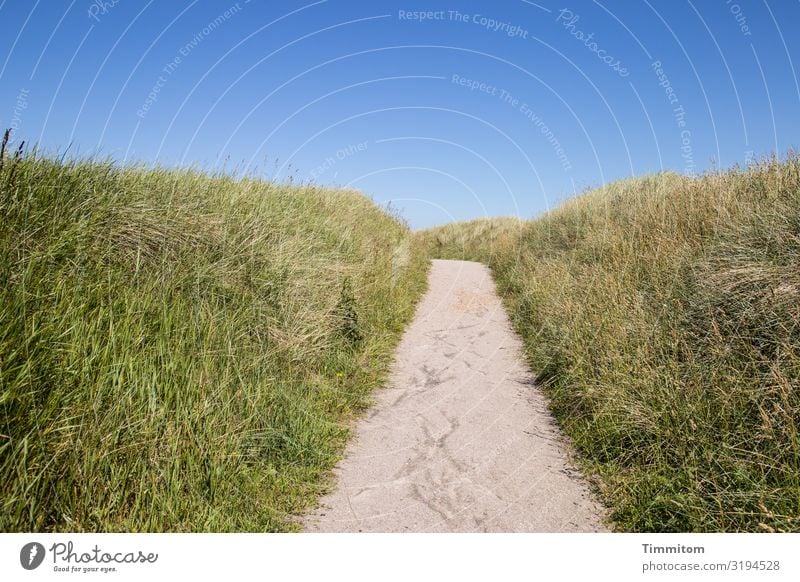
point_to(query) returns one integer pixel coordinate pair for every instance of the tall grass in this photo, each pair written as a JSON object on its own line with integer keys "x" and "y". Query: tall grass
{"x": 181, "y": 352}
{"x": 662, "y": 316}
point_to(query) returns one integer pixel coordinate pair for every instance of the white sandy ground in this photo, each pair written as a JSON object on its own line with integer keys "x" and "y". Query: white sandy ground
{"x": 460, "y": 440}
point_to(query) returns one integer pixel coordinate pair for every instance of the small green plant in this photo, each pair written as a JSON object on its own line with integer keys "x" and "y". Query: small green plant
{"x": 12, "y": 167}
{"x": 347, "y": 314}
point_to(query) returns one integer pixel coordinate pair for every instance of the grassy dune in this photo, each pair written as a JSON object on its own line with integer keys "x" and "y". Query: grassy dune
{"x": 180, "y": 352}
{"x": 662, "y": 316}
{"x": 183, "y": 352}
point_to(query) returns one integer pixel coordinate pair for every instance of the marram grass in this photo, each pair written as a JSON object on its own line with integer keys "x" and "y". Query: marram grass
{"x": 184, "y": 352}
{"x": 662, "y": 317}
{"x": 181, "y": 352}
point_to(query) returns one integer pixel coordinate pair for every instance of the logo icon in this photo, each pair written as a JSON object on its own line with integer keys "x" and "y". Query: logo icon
{"x": 31, "y": 555}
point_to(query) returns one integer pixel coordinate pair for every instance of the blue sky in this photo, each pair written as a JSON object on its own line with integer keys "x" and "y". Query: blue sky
{"x": 451, "y": 110}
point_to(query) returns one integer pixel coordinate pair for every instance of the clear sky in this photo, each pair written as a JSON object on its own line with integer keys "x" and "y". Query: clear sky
{"x": 451, "y": 110}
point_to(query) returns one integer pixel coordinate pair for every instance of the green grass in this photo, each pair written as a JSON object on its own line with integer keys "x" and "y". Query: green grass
{"x": 662, "y": 317}
{"x": 184, "y": 352}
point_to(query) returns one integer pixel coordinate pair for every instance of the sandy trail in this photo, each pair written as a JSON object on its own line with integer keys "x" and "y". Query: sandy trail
{"x": 461, "y": 439}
